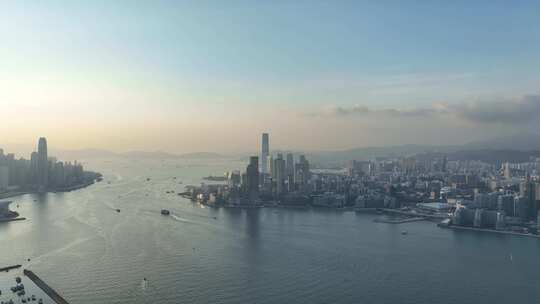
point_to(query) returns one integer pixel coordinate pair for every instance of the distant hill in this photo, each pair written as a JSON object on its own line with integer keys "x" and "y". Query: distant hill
{"x": 494, "y": 156}
{"x": 521, "y": 142}
{"x": 202, "y": 155}
{"x": 82, "y": 154}
{"x": 105, "y": 154}
{"x": 519, "y": 147}
{"x": 149, "y": 155}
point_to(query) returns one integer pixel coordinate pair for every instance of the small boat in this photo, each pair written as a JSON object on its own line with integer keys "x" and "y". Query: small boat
{"x": 165, "y": 212}
{"x": 148, "y": 179}
{"x": 404, "y": 232}
{"x": 118, "y": 210}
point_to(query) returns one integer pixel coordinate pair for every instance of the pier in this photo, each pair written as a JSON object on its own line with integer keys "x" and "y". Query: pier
{"x": 399, "y": 220}
{"x": 8, "y": 268}
{"x": 46, "y": 288}
{"x": 475, "y": 229}
{"x": 12, "y": 219}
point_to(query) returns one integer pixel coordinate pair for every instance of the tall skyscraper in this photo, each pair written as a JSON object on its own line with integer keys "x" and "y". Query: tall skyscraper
{"x": 279, "y": 167}
{"x": 252, "y": 178}
{"x": 43, "y": 164}
{"x": 290, "y": 164}
{"x": 34, "y": 170}
{"x": 264, "y": 153}
{"x": 302, "y": 174}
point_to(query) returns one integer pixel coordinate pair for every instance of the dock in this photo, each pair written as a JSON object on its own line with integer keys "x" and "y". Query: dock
{"x": 57, "y": 298}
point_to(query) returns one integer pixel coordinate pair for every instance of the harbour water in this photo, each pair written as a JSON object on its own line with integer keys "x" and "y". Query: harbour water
{"x": 81, "y": 246}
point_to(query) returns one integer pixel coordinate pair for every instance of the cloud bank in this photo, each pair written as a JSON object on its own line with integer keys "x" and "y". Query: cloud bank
{"x": 517, "y": 111}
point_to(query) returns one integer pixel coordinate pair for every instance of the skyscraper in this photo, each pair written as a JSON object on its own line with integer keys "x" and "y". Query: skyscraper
{"x": 264, "y": 153}
{"x": 279, "y": 167}
{"x": 302, "y": 171}
{"x": 252, "y": 178}
{"x": 43, "y": 164}
{"x": 290, "y": 164}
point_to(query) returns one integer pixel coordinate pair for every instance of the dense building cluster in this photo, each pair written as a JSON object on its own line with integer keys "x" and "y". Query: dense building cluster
{"x": 474, "y": 193}
{"x": 41, "y": 172}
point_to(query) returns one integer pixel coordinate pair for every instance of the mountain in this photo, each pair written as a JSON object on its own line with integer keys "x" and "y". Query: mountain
{"x": 520, "y": 141}
{"x": 151, "y": 154}
{"x": 105, "y": 154}
{"x": 202, "y": 155}
{"x": 341, "y": 157}
{"x": 82, "y": 154}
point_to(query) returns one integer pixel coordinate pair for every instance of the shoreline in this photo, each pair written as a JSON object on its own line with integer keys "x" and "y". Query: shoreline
{"x": 68, "y": 189}
{"x": 452, "y": 227}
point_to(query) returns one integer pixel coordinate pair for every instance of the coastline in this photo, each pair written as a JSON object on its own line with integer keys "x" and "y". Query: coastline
{"x": 490, "y": 230}
{"x": 67, "y": 189}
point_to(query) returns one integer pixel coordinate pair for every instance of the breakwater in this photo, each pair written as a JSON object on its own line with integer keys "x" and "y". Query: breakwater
{"x": 46, "y": 288}
{"x": 8, "y": 268}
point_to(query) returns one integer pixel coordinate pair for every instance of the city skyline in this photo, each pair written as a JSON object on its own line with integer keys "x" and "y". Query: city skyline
{"x": 180, "y": 77}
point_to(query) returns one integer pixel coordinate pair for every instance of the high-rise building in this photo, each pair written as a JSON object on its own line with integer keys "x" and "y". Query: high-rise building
{"x": 507, "y": 171}
{"x": 264, "y": 153}
{"x": 271, "y": 169}
{"x": 290, "y": 164}
{"x": 252, "y": 178}
{"x": 527, "y": 190}
{"x": 34, "y": 170}
{"x": 302, "y": 172}
{"x": 279, "y": 167}
{"x": 43, "y": 164}
{"x": 4, "y": 177}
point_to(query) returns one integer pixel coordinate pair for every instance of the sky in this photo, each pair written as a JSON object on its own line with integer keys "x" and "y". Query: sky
{"x": 186, "y": 76}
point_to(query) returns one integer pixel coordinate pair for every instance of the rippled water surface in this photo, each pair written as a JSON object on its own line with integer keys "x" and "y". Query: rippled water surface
{"x": 89, "y": 252}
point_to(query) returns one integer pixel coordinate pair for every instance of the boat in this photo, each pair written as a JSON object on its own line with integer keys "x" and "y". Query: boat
{"x": 404, "y": 232}
{"x": 118, "y": 210}
{"x": 165, "y": 212}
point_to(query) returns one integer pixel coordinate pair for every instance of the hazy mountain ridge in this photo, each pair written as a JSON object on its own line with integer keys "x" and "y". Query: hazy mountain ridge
{"x": 512, "y": 148}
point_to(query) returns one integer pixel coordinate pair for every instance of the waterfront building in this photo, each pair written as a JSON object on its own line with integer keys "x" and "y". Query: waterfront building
{"x": 271, "y": 170}
{"x": 265, "y": 153}
{"x": 43, "y": 164}
{"x": 290, "y": 164}
{"x": 34, "y": 169}
{"x": 4, "y": 178}
{"x": 506, "y": 203}
{"x": 527, "y": 190}
{"x": 279, "y": 167}
{"x": 252, "y": 178}
{"x": 302, "y": 172}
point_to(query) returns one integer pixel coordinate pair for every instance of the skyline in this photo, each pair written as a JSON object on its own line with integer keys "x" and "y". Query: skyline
{"x": 185, "y": 77}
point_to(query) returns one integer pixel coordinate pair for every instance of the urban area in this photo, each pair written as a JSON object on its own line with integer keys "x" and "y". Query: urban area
{"x": 39, "y": 174}
{"x": 459, "y": 194}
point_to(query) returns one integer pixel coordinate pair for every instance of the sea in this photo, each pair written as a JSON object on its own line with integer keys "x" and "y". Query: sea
{"x": 81, "y": 246}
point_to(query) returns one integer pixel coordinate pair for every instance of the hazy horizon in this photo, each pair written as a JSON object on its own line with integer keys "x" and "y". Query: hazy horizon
{"x": 188, "y": 77}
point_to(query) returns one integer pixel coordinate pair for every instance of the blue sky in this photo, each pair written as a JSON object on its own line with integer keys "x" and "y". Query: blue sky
{"x": 163, "y": 61}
